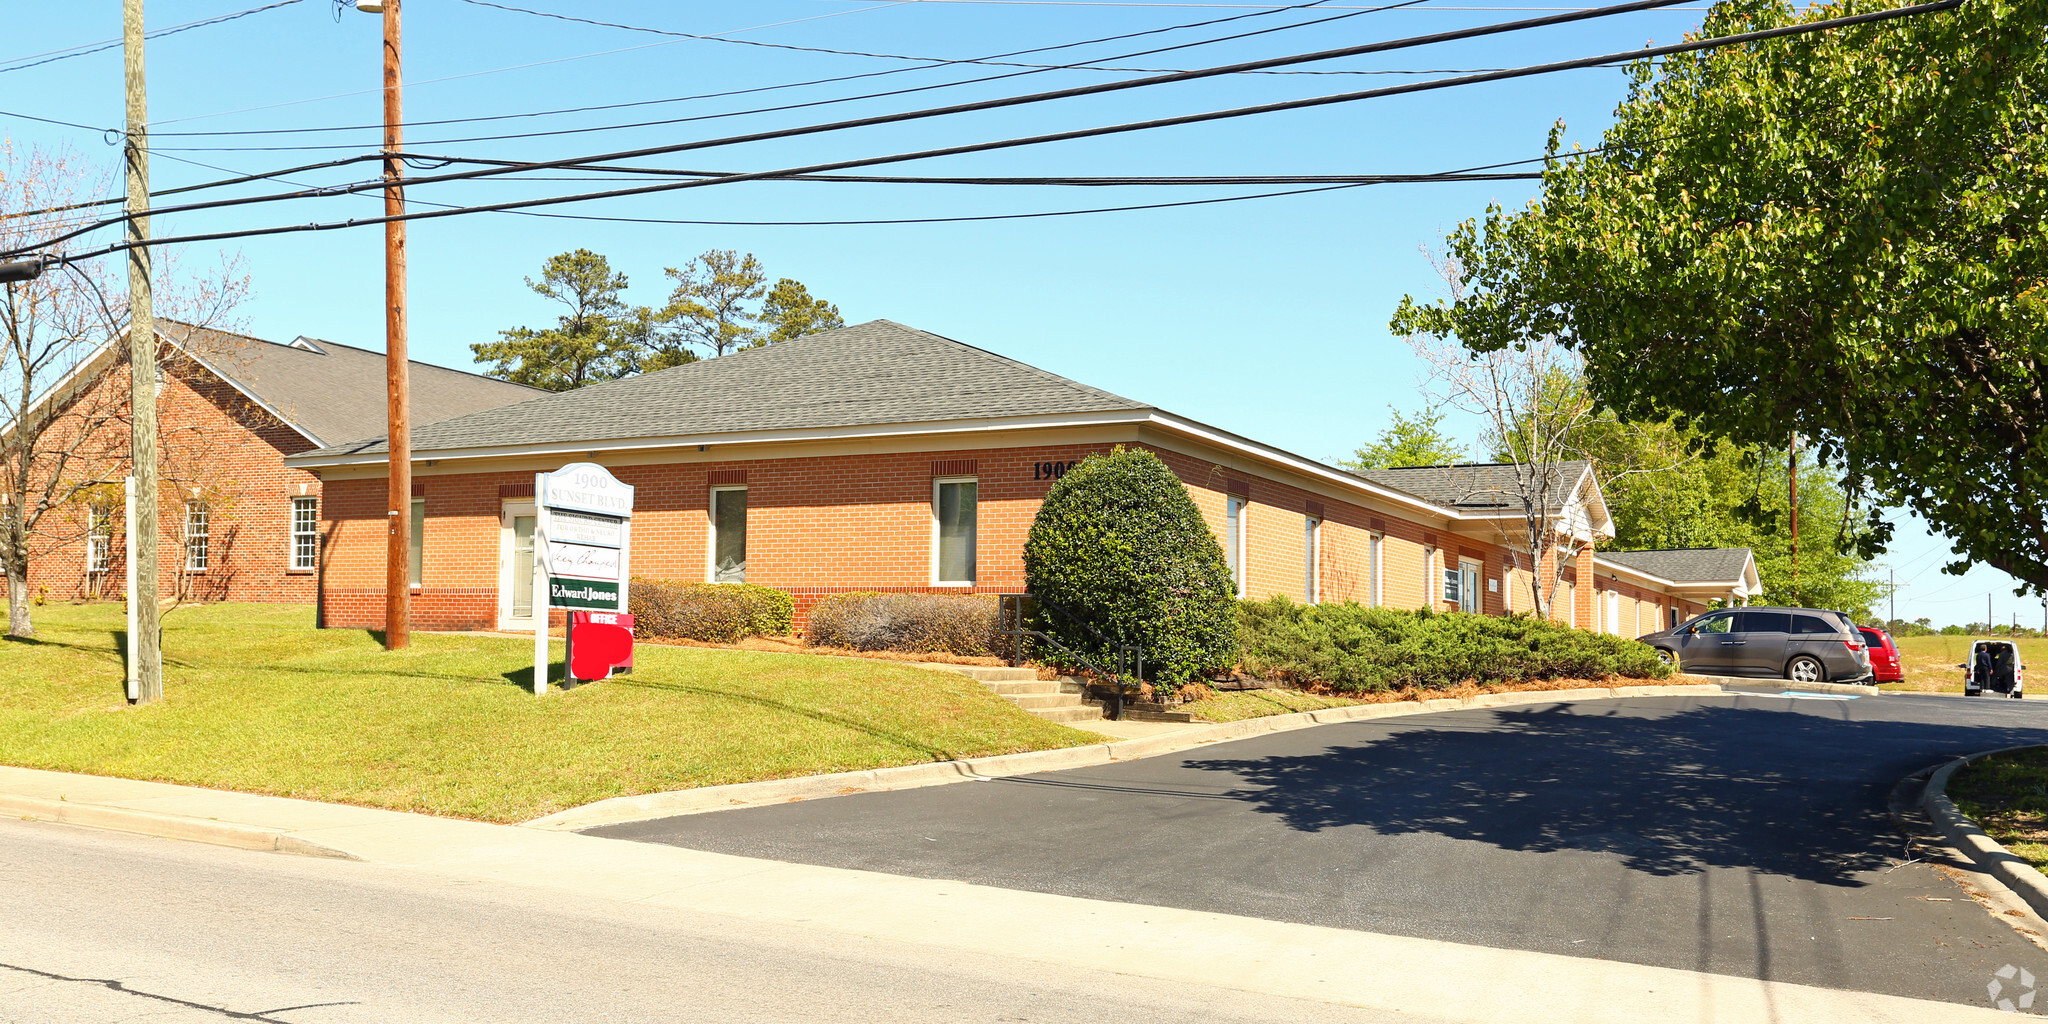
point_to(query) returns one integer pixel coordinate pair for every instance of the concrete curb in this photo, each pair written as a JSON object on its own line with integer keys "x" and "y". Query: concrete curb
{"x": 166, "y": 826}
{"x": 619, "y": 810}
{"x": 1962, "y": 833}
{"x": 1787, "y": 684}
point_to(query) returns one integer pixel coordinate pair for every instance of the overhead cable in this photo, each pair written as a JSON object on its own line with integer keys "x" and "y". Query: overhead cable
{"x": 1803, "y": 28}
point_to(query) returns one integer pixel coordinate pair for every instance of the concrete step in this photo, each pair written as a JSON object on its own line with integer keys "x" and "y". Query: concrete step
{"x": 987, "y": 673}
{"x": 1034, "y": 686}
{"x": 1071, "y": 716}
{"x": 1042, "y": 701}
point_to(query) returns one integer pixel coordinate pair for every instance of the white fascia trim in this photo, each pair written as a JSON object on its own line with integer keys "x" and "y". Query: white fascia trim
{"x": 1732, "y": 585}
{"x": 1597, "y": 530}
{"x": 245, "y": 392}
{"x": 66, "y": 384}
{"x": 1299, "y": 464}
{"x": 1107, "y": 418}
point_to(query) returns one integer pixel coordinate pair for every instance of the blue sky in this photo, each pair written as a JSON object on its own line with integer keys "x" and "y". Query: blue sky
{"x": 1266, "y": 317}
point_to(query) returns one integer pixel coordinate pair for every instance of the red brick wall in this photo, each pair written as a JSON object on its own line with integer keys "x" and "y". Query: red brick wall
{"x": 216, "y": 441}
{"x": 823, "y": 525}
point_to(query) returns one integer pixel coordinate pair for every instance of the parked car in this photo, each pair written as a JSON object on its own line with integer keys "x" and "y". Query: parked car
{"x": 1805, "y": 645}
{"x": 1994, "y": 666}
{"x": 1885, "y": 666}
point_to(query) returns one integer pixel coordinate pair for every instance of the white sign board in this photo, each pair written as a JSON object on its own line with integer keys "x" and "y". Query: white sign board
{"x": 583, "y": 544}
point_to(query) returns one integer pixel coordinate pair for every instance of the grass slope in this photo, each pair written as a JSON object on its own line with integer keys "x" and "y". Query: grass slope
{"x": 257, "y": 700}
{"x": 1930, "y": 662}
{"x": 2007, "y": 796}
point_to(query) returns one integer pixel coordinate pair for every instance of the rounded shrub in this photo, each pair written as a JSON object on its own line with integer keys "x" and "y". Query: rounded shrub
{"x": 1119, "y": 545}
{"x": 711, "y": 612}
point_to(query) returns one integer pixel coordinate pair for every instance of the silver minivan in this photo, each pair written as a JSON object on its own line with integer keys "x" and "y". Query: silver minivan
{"x": 1805, "y": 645}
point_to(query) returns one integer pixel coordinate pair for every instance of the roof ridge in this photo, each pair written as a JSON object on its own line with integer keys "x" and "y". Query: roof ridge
{"x": 999, "y": 357}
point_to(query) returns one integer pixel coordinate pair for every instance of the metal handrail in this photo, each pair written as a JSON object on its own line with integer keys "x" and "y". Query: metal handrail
{"x": 1130, "y": 661}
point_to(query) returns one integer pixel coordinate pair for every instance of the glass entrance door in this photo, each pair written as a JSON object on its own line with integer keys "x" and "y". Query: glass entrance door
{"x": 515, "y": 569}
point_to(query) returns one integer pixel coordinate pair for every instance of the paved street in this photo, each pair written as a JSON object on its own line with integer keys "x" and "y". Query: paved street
{"x": 98, "y": 927}
{"x": 1737, "y": 835}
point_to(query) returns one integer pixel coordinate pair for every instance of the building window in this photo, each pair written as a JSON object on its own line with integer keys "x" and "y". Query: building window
{"x": 955, "y": 512}
{"x": 416, "y": 553}
{"x": 728, "y": 535}
{"x": 1311, "y": 544}
{"x": 305, "y": 534}
{"x": 1467, "y": 576}
{"x": 1233, "y": 542}
{"x": 196, "y": 534}
{"x": 1378, "y": 545}
{"x": 99, "y": 540}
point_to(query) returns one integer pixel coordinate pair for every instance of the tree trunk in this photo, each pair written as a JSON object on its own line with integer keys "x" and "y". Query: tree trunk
{"x": 17, "y": 605}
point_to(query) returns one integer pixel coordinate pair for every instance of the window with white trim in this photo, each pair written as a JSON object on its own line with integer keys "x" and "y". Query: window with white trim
{"x": 1378, "y": 548}
{"x": 305, "y": 534}
{"x": 1311, "y": 542}
{"x": 416, "y": 551}
{"x": 728, "y": 535}
{"x": 1233, "y": 541}
{"x": 197, "y": 536}
{"x": 99, "y": 540}
{"x": 956, "y": 507}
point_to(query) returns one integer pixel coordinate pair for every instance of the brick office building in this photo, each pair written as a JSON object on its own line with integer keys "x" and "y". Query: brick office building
{"x": 236, "y": 524}
{"x": 879, "y": 457}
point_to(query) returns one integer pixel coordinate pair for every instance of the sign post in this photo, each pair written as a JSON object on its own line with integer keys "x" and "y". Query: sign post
{"x": 582, "y": 551}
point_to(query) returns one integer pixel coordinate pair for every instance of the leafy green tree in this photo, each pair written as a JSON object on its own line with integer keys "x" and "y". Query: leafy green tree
{"x": 790, "y": 311}
{"x": 1841, "y": 236}
{"x": 599, "y": 338}
{"x": 1120, "y": 545}
{"x": 1411, "y": 441}
{"x": 722, "y": 303}
{"x": 709, "y": 308}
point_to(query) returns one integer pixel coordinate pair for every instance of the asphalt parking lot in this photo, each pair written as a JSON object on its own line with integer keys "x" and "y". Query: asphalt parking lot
{"x": 1745, "y": 834}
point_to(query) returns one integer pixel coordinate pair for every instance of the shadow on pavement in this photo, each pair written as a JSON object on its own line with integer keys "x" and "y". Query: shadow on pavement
{"x": 1668, "y": 792}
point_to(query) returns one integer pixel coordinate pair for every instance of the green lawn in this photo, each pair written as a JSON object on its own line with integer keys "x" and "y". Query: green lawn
{"x": 2007, "y": 796}
{"x": 1930, "y": 661}
{"x": 258, "y": 700}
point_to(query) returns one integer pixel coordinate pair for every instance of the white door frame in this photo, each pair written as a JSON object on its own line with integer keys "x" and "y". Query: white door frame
{"x": 511, "y": 507}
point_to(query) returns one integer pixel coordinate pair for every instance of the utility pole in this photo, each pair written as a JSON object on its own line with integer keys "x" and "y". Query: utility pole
{"x": 398, "y": 560}
{"x": 144, "y": 642}
{"x": 1893, "y": 592}
{"x": 1792, "y": 474}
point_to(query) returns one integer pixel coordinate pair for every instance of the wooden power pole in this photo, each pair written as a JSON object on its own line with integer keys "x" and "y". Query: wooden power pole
{"x": 143, "y": 644}
{"x": 398, "y": 560}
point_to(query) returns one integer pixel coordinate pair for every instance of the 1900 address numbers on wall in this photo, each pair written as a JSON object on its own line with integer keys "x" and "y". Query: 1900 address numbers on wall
{"x": 1050, "y": 470}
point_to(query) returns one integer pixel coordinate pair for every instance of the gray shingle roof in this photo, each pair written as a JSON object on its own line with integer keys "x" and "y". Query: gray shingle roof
{"x": 336, "y": 392}
{"x": 1473, "y": 486}
{"x": 1686, "y": 565}
{"x": 872, "y": 373}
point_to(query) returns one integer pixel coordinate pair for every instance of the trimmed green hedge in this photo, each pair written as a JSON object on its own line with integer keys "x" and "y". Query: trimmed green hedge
{"x": 711, "y": 612}
{"x": 962, "y": 624}
{"x": 1350, "y": 647}
{"x": 1119, "y": 545}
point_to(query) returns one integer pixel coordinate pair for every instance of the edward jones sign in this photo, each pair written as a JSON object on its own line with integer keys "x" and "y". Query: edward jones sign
{"x": 586, "y": 521}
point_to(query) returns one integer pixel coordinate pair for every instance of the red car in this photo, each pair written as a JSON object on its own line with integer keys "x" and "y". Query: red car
{"x": 1884, "y": 656}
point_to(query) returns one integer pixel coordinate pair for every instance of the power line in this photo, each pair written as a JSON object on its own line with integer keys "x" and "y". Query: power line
{"x": 1008, "y": 101}
{"x": 867, "y": 96}
{"x": 53, "y": 56}
{"x": 1689, "y": 46}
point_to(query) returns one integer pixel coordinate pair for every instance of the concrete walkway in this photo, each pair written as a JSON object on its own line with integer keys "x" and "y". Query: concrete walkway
{"x": 1432, "y": 980}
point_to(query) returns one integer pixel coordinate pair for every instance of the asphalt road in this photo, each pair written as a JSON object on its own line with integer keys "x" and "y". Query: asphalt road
{"x": 98, "y": 927}
{"x": 1744, "y": 835}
